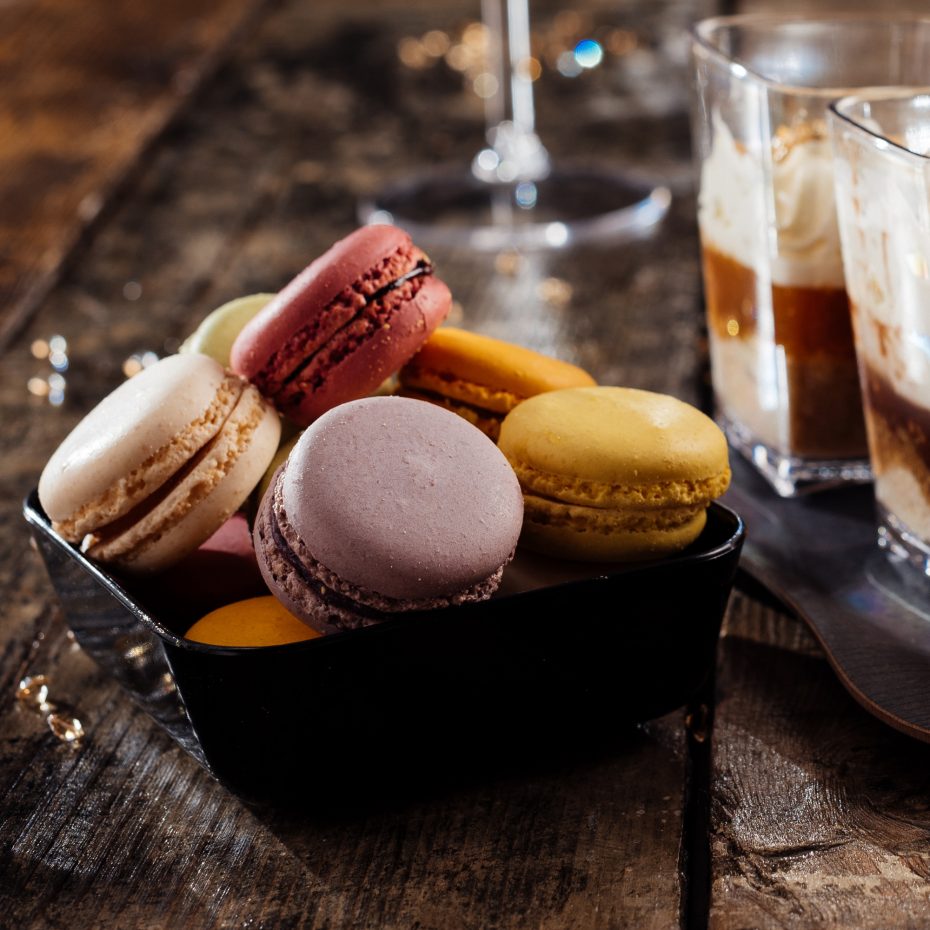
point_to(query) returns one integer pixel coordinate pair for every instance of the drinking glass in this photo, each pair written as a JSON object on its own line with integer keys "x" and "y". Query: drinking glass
{"x": 881, "y": 142}
{"x": 781, "y": 343}
{"x": 514, "y": 196}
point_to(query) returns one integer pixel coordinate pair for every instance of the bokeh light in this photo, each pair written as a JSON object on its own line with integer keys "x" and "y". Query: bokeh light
{"x": 488, "y": 160}
{"x": 137, "y": 361}
{"x": 529, "y": 68}
{"x": 55, "y": 351}
{"x": 554, "y": 291}
{"x": 588, "y": 53}
{"x": 485, "y": 85}
{"x": 568, "y": 65}
{"x": 56, "y": 389}
{"x": 457, "y": 58}
{"x": 412, "y": 53}
{"x": 525, "y": 195}
{"x": 38, "y": 387}
{"x": 572, "y": 43}
{"x": 508, "y": 263}
{"x": 436, "y": 43}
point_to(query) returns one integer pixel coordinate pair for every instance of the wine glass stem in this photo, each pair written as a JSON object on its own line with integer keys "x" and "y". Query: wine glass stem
{"x": 508, "y": 24}
{"x": 515, "y": 152}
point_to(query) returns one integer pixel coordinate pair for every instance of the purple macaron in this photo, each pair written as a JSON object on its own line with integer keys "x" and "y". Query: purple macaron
{"x": 386, "y": 505}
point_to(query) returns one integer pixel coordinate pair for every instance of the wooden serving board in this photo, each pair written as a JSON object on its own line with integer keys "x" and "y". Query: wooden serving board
{"x": 819, "y": 555}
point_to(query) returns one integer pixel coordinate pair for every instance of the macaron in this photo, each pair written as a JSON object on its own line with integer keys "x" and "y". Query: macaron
{"x": 349, "y": 320}
{"x": 160, "y": 463}
{"x": 256, "y": 621}
{"x": 481, "y": 378}
{"x": 219, "y": 571}
{"x": 387, "y": 505}
{"x": 613, "y": 474}
{"x": 218, "y": 331}
{"x": 279, "y": 458}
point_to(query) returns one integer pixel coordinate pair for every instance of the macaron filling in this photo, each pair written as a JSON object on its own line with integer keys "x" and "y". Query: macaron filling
{"x": 139, "y": 490}
{"x": 330, "y": 601}
{"x": 359, "y": 310}
{"x": 547, "y": 512}
{"x": 481, "y": 398}
{"x": 376, "y": 315}
{"x": 683, "y": 492}
{"x": 596, "y": 509}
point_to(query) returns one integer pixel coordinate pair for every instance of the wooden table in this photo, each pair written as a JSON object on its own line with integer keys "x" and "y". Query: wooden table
{"x": 158, "y": 159}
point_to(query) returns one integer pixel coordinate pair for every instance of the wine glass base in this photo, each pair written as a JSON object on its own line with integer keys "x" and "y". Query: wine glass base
{"x": 570, "y": 206}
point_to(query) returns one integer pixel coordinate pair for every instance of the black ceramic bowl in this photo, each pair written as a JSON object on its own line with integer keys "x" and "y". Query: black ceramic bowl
{"x": 566, "y": 661}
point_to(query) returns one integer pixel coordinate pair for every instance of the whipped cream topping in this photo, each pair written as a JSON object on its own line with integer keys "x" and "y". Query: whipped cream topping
{"x": 900, "y": 492}
{"x": 884, "y": 210}
{"x": 788, "y": 233}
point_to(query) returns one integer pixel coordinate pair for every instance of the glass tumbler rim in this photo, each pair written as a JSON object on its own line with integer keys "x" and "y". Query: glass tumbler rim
{"x": 838, "y": 110}
{"x": 702, "y": 31}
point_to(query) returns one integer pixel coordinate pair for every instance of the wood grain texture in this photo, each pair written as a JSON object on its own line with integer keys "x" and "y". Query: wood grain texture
{"x": 124, "y": 829}
{"x": 86, "y": 88}
{"x": 819, "y": 812}
{"x": 127, "y": 831}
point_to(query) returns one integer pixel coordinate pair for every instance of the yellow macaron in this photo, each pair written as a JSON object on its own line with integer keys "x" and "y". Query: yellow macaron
{"x": 481, "y": 378}
{"x": 256, "y": 621}
{"x": 613, "y": 474}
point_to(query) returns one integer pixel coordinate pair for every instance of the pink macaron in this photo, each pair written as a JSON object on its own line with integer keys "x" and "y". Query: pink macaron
{"x": 387, "y": 505}
{"x": 344, "y": 324}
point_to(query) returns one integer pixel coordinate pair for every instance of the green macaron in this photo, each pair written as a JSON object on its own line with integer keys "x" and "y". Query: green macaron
{"x": 218, "y": 331}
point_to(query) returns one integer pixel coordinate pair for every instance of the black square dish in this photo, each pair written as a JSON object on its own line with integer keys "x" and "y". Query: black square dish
{"x": 546, "y": 665}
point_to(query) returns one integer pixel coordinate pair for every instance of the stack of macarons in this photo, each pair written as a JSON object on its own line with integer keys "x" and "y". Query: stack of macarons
{"x": 382, "y": 505}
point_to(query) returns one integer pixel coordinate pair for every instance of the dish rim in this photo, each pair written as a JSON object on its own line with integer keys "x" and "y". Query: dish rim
{"x": 36, "y": 517}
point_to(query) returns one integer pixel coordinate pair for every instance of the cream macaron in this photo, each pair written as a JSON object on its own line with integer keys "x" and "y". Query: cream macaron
{"x": 160, "y": 463}
{"x": 613, "y": 474}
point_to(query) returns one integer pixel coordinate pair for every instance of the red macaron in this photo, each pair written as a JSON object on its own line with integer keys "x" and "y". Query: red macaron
{"x": 348, "y": 321}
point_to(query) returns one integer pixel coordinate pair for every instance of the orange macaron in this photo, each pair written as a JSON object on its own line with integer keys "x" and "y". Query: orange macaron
{"x": 481, "y": 378}
{"x": 257, "y": 621}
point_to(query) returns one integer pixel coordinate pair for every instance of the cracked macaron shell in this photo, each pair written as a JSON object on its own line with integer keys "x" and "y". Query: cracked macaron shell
{"x": 160, "y": 463}
{"x": 333, "y": 334}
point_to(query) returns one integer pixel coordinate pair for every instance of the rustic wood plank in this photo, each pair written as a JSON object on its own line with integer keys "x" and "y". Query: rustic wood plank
{"x": 124, "y": 829}
{"x": 127, "y": 831}
{"x": 84, "y": 94}
{"x": 819, "y": 812}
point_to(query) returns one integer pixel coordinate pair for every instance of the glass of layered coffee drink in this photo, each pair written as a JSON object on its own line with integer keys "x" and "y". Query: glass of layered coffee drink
{"x": 781, "y": 343}
{"x": 882, "y": 147}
